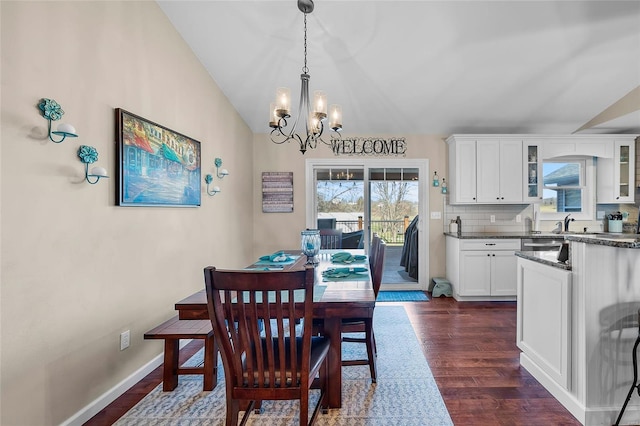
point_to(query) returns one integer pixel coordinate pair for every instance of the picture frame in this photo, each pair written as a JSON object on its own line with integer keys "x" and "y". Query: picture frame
{"x": 277, "y": 192}
{"x": 157, "y": 166}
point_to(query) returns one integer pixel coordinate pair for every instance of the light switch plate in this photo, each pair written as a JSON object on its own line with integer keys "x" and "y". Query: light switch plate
{"x": 436, "y": 215}
{"x": 600, "y": 214}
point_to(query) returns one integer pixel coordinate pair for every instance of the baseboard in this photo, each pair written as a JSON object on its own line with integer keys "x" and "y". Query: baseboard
{"x": 93, "y": 408}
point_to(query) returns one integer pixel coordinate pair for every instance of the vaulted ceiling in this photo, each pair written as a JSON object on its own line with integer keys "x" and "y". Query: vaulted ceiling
{"x": 429, "y": 67}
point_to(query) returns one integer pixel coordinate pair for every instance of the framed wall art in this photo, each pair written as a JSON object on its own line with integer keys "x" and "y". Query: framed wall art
{"x": 157, "y": 166}
{"x": 277, "y": 192}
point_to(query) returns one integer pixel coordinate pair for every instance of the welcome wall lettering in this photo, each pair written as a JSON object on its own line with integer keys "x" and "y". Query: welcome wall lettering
{"x": 369, "y": 146}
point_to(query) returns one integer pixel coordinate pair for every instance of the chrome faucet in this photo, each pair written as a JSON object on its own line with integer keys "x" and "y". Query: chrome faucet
{"x": 566, "y": 222}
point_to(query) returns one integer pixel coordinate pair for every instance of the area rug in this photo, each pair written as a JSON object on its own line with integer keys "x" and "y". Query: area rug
{"x": 402, "y": 296}
{"x": 405, "y": 393}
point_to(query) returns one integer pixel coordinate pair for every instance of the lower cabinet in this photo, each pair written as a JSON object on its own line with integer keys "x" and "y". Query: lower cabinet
{"x": 544, "y": 319}
{"x": 482, "y": 269}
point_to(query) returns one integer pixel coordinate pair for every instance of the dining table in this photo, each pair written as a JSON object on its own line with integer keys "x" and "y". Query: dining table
{"x": 336, "y": 297}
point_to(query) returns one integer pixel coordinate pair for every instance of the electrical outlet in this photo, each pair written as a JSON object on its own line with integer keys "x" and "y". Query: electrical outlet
{"x": 492, "y": 218}
{"x": 125, "y": 339}
{"x": 518, "y": 218}
{"x": 600, "y": 214}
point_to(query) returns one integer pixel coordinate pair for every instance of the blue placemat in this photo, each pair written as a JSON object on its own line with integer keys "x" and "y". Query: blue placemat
{"x": 346, "y": 258}
{"x": 345, "y": 273}
{"x": 264, "y": 262}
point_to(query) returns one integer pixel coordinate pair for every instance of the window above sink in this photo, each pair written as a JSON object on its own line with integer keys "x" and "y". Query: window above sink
{"x": 567, "y": 184}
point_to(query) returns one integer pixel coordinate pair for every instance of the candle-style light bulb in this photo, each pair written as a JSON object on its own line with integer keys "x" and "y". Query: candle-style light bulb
{"x": 335, "y": 119}
{"x": 283, "y": 102}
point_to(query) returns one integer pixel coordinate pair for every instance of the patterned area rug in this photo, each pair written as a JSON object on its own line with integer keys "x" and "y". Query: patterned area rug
{"x": 402, "y": 296}
{"x": 405, "y": 394}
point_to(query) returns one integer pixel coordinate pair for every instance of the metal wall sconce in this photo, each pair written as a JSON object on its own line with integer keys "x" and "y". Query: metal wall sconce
{"x": 443, "y": 186}
{"x": 220, "y": 173}
{"x": 436, "y": 179}
{"x": 213, "y": 191}
{"x": 89, "y": 155}
{"x": 52, "y": 111}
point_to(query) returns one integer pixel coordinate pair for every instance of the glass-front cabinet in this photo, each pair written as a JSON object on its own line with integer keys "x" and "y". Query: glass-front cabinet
{"x": 623, "y": 178}
{"x": 616, "y": 175}
{"x": 533, "y": 178}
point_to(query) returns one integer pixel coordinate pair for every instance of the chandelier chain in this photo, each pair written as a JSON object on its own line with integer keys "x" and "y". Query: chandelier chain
{"x": 305, "y": 70}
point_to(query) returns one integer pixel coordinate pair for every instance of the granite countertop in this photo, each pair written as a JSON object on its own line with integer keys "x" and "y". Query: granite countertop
{"x": 631, "y": 241}
{"x": 506, "y": 235}
{"x": 622, "y": 240}
{"x": 545, "y": 257}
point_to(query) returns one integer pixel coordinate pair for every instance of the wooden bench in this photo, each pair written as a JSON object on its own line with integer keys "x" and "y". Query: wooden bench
{"x": 172, "y": 331}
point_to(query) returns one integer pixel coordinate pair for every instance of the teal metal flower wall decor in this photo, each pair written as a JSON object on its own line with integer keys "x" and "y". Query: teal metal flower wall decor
{"x": 218, "y": 162}
{"x": 51, "y": 110}
{"x": 87, "y": 154}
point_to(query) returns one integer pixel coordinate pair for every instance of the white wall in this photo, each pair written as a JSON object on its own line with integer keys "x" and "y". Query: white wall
{"x": 76, "y": 269}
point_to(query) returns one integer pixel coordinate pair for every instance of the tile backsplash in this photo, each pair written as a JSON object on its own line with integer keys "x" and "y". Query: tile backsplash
{"x": 478, "y": 218}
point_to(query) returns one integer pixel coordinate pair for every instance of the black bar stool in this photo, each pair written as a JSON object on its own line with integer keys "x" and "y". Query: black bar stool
{"x": 635, "y": 384}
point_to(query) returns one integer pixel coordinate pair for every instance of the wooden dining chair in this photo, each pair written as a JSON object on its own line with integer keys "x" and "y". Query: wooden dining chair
{"x": 254, "y": 316}
{"x": 365, "y": 325}
{"x": 330, "y": 238}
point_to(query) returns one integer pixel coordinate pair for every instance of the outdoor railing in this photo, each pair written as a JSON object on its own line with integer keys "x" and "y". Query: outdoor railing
{"x": 391, "y": 231}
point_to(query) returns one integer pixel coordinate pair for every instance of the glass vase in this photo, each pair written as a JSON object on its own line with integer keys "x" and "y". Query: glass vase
{"x": 310, "y": 242}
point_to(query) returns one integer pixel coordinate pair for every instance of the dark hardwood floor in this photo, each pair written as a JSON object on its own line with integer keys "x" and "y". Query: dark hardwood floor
{"x": 471, "y": 350}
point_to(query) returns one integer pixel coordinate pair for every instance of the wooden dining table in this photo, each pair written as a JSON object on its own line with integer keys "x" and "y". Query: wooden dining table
{"x": 334, "y": 300}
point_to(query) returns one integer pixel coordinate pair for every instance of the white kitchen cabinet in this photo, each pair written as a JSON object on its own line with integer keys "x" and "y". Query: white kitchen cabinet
{"x": 615, "y": 176}
{"x": 532, "y": 191}
{"x": 482, "y": 269}
{"x": 499, "y": 171}
{"x": 544, "y": 335}
{"x": 462, "y": 167}
{"x": 483, "y": 170}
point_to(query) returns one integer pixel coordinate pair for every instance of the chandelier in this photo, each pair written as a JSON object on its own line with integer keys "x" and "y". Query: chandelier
{"x": 313, "y": 116}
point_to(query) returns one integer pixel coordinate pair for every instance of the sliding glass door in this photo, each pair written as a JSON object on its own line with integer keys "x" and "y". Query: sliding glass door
{"x": 370, "y": 197}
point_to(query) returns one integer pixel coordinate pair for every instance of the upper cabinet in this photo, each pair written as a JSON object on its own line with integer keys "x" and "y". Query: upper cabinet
{"x": 499, "y": 177}
{"x": 533, "y": 172}
{"x": 615, "y": 176}
{"x": 507, "y": 169}
{"x": 462, "y": 171}
{"x": 482, "y": 170}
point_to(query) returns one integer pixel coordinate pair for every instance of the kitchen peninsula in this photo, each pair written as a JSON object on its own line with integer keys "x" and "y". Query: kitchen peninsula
{"x": 577, "y": 323}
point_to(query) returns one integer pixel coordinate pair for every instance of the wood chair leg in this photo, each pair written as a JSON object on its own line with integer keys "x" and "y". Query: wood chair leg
{"x": 371, "y": 350}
